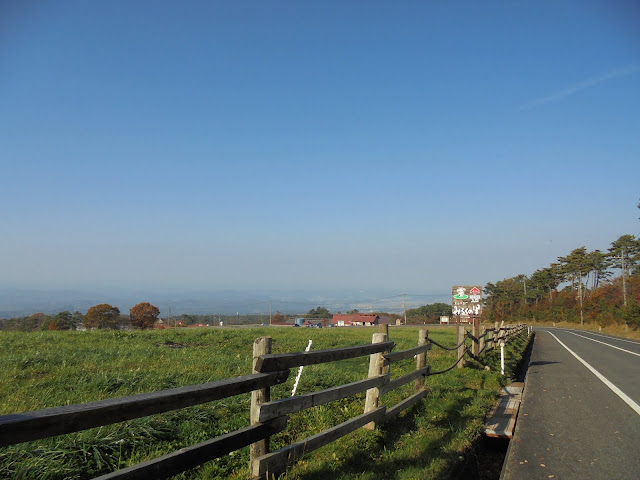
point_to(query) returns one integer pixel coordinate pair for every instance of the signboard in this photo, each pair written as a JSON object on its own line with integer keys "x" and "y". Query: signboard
{"x": 466, "y": 300}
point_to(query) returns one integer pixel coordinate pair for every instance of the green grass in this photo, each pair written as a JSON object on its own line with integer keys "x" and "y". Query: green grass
{"x": 49, "y": 369}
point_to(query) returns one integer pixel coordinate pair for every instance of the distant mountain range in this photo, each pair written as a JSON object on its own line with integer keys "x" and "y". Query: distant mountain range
{"x": 17, "y": 302}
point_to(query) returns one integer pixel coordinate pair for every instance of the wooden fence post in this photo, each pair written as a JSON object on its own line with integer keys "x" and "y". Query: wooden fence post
{"x": 482, "y": 332}
{"x": 376, "y": 367}
{"x": 384, "y": 328}
{"x": 496, "y": 334}
{"x": 421, "y": 358}
{"x": 461, "y": 337}
{"x": 476, "y": 337}
{"x": 261, "y": 346}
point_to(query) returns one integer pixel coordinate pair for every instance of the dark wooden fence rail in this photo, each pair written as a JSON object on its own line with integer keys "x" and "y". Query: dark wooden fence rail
{"x": 267, "y": 417}
{"x": 27, "y": 426}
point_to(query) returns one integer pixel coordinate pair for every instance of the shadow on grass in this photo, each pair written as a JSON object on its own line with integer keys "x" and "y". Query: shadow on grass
{"x": 427, "y": 440}
{"x": 517, "y": 355}
{"x": 381, "y": 460}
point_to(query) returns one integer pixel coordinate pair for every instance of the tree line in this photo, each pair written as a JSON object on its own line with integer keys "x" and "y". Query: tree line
{"x": 597, "y": 286}
{"x": 145, "y": 315}
{"x": 428, "y": 313}
{"x": 101, "y": 316}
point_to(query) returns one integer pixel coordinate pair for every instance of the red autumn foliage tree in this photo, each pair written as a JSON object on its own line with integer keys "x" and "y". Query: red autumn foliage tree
{"x": 144, "y": 315}
{"x": 102, "y": 316}
{"x": 279, "y": 318}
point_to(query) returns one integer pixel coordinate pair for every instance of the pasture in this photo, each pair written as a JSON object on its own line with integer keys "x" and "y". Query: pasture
{"x": 48, "y": 369}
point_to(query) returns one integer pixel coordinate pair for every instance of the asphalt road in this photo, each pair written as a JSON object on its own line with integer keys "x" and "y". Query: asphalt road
{"x": 578, "y": 421}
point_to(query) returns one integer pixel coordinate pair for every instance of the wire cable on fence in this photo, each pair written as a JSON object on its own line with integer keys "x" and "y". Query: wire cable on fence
{"x": 451, "y": 367}
{"x": 447, "y": 348}
{"x": 477, "y": 358}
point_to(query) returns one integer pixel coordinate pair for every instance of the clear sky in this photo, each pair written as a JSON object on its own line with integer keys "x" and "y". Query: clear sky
{"x": 401, "y": 146}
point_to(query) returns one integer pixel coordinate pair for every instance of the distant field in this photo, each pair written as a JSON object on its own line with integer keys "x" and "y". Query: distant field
{"x": 48, "y": 369}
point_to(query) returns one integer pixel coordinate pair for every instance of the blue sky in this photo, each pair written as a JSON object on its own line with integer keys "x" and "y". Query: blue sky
{"x": 397, "y": 146}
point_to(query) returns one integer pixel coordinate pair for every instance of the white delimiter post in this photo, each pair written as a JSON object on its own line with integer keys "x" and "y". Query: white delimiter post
{"x": 502, "y": 357}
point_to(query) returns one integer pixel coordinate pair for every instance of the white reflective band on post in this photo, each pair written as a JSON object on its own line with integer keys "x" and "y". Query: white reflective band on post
{"x": 295, "y": 385}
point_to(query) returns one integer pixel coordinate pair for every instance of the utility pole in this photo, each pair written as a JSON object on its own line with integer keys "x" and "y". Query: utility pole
{"x": 270, "y": 309}
{"x": 169, "y": 319}
{"x": 624, "y": 278}
{"x": 404, "y": 307}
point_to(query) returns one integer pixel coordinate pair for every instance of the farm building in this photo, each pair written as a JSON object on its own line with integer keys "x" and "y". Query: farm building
{"x": 356, "y": 319}
{"x": 314, "y": 322}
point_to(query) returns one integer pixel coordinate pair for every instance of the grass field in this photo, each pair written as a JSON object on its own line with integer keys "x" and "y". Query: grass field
{"x": 48, "y": 369}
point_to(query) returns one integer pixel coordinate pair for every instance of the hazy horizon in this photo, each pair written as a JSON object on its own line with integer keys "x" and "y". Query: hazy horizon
{"x": 15, "y": 302}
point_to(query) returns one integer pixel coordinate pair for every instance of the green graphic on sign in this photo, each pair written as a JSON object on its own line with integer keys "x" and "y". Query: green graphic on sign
{"x": 461, "y": 294}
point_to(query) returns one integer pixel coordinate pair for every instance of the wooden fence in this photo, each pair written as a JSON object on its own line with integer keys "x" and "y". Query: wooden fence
{"x": 266, "y": 417}
{"x": 483, "y": 340}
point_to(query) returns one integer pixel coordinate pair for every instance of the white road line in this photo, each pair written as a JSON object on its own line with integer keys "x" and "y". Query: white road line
{"x": 602, "y": 378}
{"x": 603, "y": 343}
{"x": 611, "y": 338}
